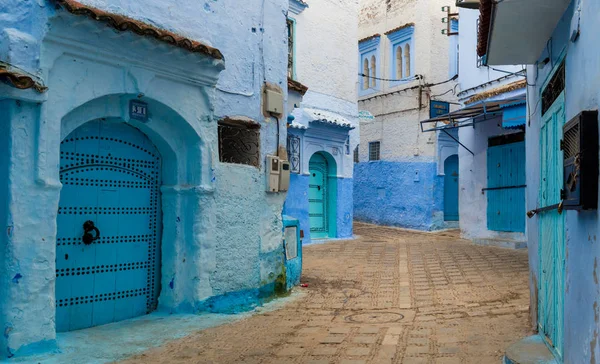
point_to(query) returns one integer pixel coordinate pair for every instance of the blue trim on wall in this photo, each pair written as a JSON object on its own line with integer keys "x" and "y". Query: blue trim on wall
{"x": 366, "y": 50}
{"x": 400, "y": 38}
{"x": 296, "y": 6}
{"x": 403, "y": 194}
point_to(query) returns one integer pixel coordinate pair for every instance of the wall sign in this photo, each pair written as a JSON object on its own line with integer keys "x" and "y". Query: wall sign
{"x": 138, "y": 110}
{"x": 438, "y": 108}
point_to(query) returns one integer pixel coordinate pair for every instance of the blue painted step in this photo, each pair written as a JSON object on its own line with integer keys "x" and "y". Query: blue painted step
{"x": 531, "y": 350}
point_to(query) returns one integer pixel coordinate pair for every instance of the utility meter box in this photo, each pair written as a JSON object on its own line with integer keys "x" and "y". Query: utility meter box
{"x": 273, "y": 102}
{"x": 580, "y": 148}
{"x": 284, "y": 177}
{"x": 273, "y": 173}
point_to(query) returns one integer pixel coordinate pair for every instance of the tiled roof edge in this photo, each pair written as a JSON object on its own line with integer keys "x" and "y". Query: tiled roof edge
{"x": 123, "y": 23}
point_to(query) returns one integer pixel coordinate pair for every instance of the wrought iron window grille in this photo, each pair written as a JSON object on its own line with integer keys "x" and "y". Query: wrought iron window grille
{"x": 239, "y": 142}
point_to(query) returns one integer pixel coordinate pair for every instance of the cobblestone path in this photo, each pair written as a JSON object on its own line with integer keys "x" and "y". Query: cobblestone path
{"x": 391, "y": 296}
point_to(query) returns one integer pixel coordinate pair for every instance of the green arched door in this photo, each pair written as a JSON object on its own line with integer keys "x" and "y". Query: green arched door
{"x": 318, "y": 209}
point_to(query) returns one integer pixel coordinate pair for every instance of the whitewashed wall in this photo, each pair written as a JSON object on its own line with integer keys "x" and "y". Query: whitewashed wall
{"x": 397, "y": 116}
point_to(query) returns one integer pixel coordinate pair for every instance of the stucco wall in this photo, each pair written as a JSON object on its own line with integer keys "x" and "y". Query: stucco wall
{"x": 471, "y": 75}
{"x": 474, "y": 177}
{"x": 582, "y": 287}
{"x": 473, "y": 169}
{"x": 326, "y": 48}
{"x": 325, "y": 61}
{"x": 404, "y": 148}
{"x": 214, "y": 256}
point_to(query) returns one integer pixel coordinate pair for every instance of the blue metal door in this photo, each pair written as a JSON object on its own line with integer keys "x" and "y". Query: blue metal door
{"x": 506, "y": 187}
{"x": 110, "y": 174}
{"x": 317, "y": 197}
{"x": 551, "y": 228}
{"x": 451, "y": 188}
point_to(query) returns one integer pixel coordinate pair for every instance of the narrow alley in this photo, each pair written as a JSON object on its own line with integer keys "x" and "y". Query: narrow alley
{"x": 389, "y": 296}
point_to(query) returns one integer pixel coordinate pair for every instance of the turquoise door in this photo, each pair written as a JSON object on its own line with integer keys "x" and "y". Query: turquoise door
{"x": 318, "y": 208}
{"x": 110, "y": 271}
{"x": 551, "y": 228}
{"x": 451, "y": 188}
{"x": 506, "y": 187}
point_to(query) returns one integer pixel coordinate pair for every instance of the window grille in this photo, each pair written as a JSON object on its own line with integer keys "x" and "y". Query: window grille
{"x": 374, "y": 151}
{"x": 293, "y": 150}
{"x": 239, "y": 142}
{"x": 290, "y": 26}
{"x": 554, "y": 88}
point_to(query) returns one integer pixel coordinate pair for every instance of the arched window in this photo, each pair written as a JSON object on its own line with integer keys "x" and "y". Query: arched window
{"x": 373, "y": 71}
{"x": 365, "y": 84}
{"x": 399, "y": 63}
{"x": 407, "y": 59}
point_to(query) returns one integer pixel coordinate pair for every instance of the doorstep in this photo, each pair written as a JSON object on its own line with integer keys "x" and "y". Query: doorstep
{"x": 502, "y": 243}
{"x": 531, "y": 350}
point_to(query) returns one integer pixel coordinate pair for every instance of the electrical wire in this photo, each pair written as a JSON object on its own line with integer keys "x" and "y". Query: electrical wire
{"x": 415, "y": 77}
{"x": 420, "y": 85}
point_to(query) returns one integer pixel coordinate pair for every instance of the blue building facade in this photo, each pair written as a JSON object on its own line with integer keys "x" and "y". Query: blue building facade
{"x": 322, "y": 122}
{"x": 563, "y": 252}
{"x": 124, "y": 192}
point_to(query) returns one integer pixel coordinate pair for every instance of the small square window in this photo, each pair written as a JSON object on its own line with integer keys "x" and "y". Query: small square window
{"x": 239, "y": 142}
{"x": 374, "y": 151}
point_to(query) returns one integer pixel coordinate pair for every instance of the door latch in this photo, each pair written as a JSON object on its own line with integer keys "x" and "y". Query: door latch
{"x": 87, "y": 237}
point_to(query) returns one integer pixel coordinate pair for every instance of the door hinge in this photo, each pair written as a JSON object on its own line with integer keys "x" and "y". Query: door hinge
{"x": 562, "y": 144}
{"x": 563, "y": 194}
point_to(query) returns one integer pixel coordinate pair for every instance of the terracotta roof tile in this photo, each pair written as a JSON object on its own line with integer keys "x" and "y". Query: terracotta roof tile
{"x": 485, "y": 18}
{"x": 123, "y": 23}
{"x": 399, "y": 28}
{"x": 297, "y": 86}
{"x": 369, "y": 38}
{"x": 20, "y": 80}
{"x": 497, "y": 91}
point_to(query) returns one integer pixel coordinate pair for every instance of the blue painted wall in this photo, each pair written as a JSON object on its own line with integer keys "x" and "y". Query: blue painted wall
{"x": 582, "y": 285}
{"x": 296, "y": 205}
{"x": 345, "y": 207}
{"x": 403, "y": 194}
{"x": 222, "y": 240}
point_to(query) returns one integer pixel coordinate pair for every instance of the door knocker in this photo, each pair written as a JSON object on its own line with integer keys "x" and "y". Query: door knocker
{"x": 87, "y": 237}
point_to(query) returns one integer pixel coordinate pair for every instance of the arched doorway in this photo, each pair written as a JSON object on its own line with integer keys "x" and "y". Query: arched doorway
{"x": 451, "y": 188}
{"x": 322, "y": 194}
{"x": 111, "y": 177}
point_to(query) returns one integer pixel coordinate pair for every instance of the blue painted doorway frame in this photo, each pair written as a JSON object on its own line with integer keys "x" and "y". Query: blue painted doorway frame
{"x": 551, "y": 229}
{"x": 451, "y": 177}
{"x": 111, "y": 175}
{"x": 506, "y": 191}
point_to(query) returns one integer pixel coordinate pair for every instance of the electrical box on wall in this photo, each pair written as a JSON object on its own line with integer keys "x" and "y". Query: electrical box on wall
{"x": 580, "y": 148}
{"x": 284, "y": 177}
{"x": 273, "y": 102}
{"x": 273, "y": 172}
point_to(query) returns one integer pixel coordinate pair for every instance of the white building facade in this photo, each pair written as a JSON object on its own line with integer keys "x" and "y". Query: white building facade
{"x": 406, "y": 71}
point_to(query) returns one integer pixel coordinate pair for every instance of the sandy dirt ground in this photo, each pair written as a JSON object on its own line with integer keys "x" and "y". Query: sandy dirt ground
{"x": 390, "y": 296}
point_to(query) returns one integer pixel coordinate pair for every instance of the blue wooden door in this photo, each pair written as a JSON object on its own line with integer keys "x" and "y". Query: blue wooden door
{"x": 506, "y": 180}
{"x": 317, "y": 197}
{"x": 110, "y": 174}
{"x": 551, "y": 228}
{"x": 451, "y": 188}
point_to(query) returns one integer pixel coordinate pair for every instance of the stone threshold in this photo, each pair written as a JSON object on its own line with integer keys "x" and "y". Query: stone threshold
{"x": 501, "y": 243}
{"x": 530, "y": 350}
